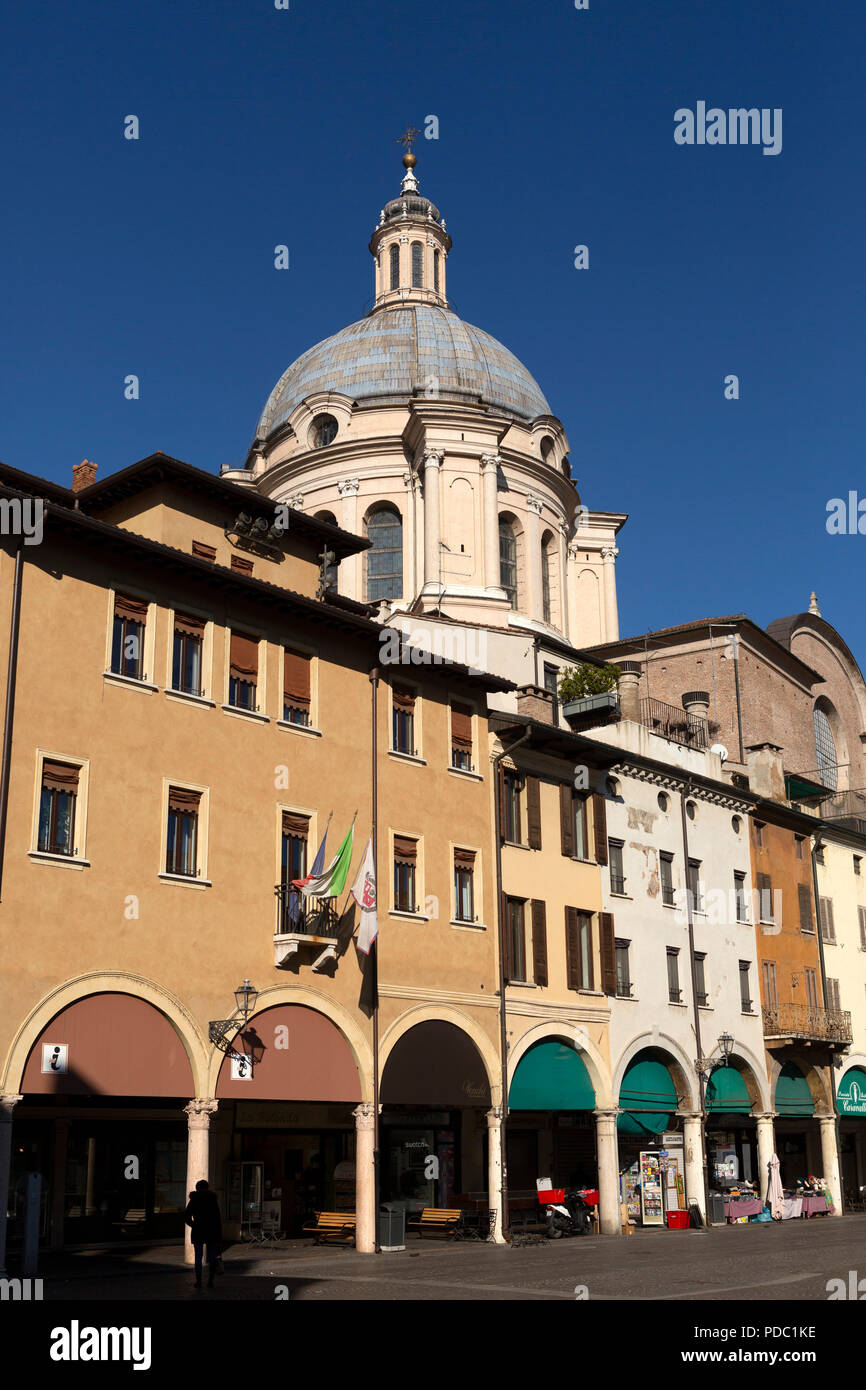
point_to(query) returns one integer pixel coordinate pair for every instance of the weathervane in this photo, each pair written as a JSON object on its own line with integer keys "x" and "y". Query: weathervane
{"x": 408, "y": 138}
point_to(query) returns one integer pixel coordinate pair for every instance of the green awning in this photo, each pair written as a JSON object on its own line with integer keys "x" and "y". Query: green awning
{"x": 551, "y": 1076}
{"x": 727, "y": 1094}
{"x": 793, "y": 1096}
{"x": 851, "y": 1094}
{"x": 649, "y": 1095}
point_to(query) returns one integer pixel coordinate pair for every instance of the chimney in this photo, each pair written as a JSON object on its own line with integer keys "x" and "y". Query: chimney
{"x": 83, "y": 474}
{"x": 697, "y": 704}
{"x": 629, "y": 682}
{"x": 766, "y": 774}
{"x": 536, "y": 703}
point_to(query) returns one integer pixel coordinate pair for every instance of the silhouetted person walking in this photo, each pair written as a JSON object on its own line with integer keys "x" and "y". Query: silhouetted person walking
{"x": 202, "y": 1215}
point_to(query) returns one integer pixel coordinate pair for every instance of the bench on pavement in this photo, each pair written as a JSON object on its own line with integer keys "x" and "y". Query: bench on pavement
{"x": 332, "y": 1225}
{"x": 440, "y": 1221}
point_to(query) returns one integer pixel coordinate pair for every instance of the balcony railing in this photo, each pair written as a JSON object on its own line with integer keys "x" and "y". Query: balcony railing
{"x": 674, "y": 723}
{"x": 803, "y": 1021}
{"x": 312, "y": 917}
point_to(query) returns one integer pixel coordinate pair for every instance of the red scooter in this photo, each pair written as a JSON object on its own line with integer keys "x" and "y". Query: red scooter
{"x": 568, "y": 1210}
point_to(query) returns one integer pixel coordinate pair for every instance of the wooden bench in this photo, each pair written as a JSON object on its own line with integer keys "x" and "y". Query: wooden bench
{"x": 440, "y": 1221}
{"x": 332, "y": 1225}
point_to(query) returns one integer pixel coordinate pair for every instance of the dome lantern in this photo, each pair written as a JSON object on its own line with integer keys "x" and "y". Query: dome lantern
{"x": 410, "y": 244}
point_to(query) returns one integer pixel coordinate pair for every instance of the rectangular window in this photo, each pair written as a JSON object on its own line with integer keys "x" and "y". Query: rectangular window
{"x": 57, "y": 808}
{"x": 811, "y": 988}
{"x": 515, "y": 943}
{"x": 740, "y": 896}
{"x": 127, "y": 638}
{"x": 861, "y": 917}
{"x": 771, "y": 997}
{"x": 857, "y": 862}
{"x": 405, "y": 871}
{"x": 243, "y": 671}
{"x": 694, "y": 884}
{"x": 539, "y": 942}
{"x": 464, "y": 885}
{"x": 296, "y": 687}
{"x": 623, "y": 973}
{"x": 675, "y": 994}
{"x": 804, "y": 898}
{"x": 819, "y": 854}
{"x": 461, "y": 737}
{"x": 833, "y": 995}
{"x": 701, "y": 977}
{"x": 293, "y": 865}
{"x": 666, "y": 871}
{"x": 828, "y": 926}
{"x": 759, "y": 834}
{"x": 745, "y": 987}
{"x": 241, "y": 564}
{"x": 186, "y": 665}
{"x": 403, "y": 721}
{"x": 181, "y": 855}
{"x": 204, "y": 551}
{"x": 765, "y": 898}
{"x": 511, "y": 786}
{"x": 581, "y": 838}
{"x": 614, "y": 859}
{"x": 798, "y": 846}
{"x": 579, "y": 949}
{"x": 551, "y": 683}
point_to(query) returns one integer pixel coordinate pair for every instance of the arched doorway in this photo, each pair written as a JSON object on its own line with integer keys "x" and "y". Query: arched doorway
{"x": 851, "y": 1105}
{"x": 731, "y": 1130}
{"x": 650, "y": 1137}
{"x": 797, "y": 1135}
{"x": 435, "y": 1096}
{"x": 551, "y": 1125}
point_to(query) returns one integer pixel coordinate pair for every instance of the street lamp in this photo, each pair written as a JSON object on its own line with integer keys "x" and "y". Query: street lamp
{"x": 725, "y": 1045}
{"x": 223, "y": 1031}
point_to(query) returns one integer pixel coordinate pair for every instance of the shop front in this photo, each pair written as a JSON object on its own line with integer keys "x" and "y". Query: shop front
{"x": 851, "y": 1106}
{"x": 731, "y": 1130}
{"x": 650, "y": 1138}
{"x": 798, "y": 1140}
{"x": 551, "y": 1125}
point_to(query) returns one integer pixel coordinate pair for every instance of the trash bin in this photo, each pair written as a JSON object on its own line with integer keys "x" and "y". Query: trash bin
{"x": 678, "y": 1220}
{"x": 717, "y": 1209}
{"x": 392, "y": 1228}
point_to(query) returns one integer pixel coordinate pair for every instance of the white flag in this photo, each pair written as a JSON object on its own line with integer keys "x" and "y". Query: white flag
{"x": 364, "y": 893}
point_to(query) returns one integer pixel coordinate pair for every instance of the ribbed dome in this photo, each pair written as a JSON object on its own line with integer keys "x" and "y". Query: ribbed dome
{"x": 397, "y": 352}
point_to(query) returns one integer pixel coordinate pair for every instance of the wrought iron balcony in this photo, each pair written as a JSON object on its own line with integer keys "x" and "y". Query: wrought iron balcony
{"x": 675, "y": 723}
{"x": 304, "y": 922}
{"x": 803, "y": 1021}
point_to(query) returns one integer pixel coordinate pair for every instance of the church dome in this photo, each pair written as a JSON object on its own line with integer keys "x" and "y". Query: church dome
{"x": 401, "y": 351}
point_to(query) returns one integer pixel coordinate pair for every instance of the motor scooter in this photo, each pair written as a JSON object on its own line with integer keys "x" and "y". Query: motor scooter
{"x": 568, "y": 1211}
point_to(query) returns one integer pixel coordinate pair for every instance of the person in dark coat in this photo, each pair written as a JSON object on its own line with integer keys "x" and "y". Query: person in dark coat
{"x": 203, "y": 1216}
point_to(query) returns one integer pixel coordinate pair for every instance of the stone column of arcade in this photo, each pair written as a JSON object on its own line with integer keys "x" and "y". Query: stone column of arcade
{"x": 830, "y": 1157}
{"x": 611, "y": 620}
{"x": 694, "y": 1158}
{"x": 766, "y": 1149}
{"x": 608, "y": 1172}
{"x": 490, "y": 503}
{"x": 365, "y": 1187}
{"x": 494, "y": 1170}
{"x": 432, "y": 533}
{"x": 7, "y": 1106}
{"x": 198, "y": 1114}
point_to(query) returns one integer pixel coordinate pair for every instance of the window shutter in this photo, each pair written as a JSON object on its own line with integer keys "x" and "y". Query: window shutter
{"x": 183, "y": 801}
{"x": 241, "y": 564}
{"x": 861, "y": 913}
{"x": 461, "y": 727}
{"x": 833, "y": 992}
{"x": 599, "y": 828}
{"x": 507, "y": 961}
{"x": 572, "y": 949}
{"x": 294, "y": 824}
{"x": 608, "y": 953}
{"x": 539, "y": 942}
{"x": 405, "y": 850}
{"x": 501, "y": 804}
{"x": 244, "y": 656}
{"x": 296, "y": 679}
{"x": 135, "y": 609}
{"x": 828, "y": 929}
{"x": 203, "y": 550}
{"x": 403, "y": 699}
{"x": 566, "y": 818}
{"x": 190, "y": 627}
{"x": 765, "y": 898}
{"x": 59, "y": 777}
{"x": 533, "y": 812}
{"x": 464, "y": 858}
{"x": 805, "y": 900}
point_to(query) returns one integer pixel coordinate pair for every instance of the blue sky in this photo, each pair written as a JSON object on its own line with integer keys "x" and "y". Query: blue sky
{"x": 262, "y": 126}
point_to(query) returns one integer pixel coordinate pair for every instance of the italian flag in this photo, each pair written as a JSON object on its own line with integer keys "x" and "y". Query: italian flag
{"x": 331, "y": 882}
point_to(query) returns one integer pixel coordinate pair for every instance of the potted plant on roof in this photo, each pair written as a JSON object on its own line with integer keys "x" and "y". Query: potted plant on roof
{"x": 587, "y": 689}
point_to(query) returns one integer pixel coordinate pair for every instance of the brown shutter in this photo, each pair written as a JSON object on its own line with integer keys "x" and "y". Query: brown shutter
{"x": 608, "y": 953}
{"x": 296, "y": 678}
{"x": 599, "y": 828}
{"x": 566, "y": 818}
{"x": 239, "y": 562}
{"x": 828, "y": 929}
{"x": 805, "y": 898}
{"x": 244, "y": 660}
{"x": 403, "y": 699}
{"x": 501, "y": 804}
{"x": 533, "y": 812}
{"x": 572, "y": 949}
{"x": 464, "y": 858}
{"x": 296, "y": 825}
{"x": 179, "y": 799}
{"x": 203, "y": 551}
{"x": 405, "y": 850}
{"x": 539, "y": 942}
{"x": 59, "y": 777}
{"x": 190, "y": 627}
{"x": 507, "y": 962}
{"x": 765, "y": 898}
{"x": 134, "y": 609}
{"x": 461, "y": 727}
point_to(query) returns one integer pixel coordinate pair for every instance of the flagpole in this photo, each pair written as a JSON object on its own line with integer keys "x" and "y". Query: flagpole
{"x": 374, "y": 977}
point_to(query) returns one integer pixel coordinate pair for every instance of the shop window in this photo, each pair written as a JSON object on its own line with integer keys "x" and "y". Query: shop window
{"x": 745, "y": 987}
{"x": 186, "y": 664}
{"x": 461, "y": 737}
{"x": 296, "y": 687}
{"x": 405, "y": 874}
{"x": 579, "y": 949}
{"x": 403, "y": 721}
{"x": 127, "y": 637}
{"x": 666, "y": 873}
{"x": 243, "y": 671}
{"x": 617, "y": 874}
{"x": 701, "y": 993}
{"x": 182, "y": 836}
{"x": 675, "y": 994}
{"x": 694, "y": 885}
{"x": 740, "y": 897}
{"x": 57, "y": 806}
{"x": 623, "y": 970}
{"x": 464, "y": 885}
{"x": 515, "y": 940}
{"x": 828, "y": 926}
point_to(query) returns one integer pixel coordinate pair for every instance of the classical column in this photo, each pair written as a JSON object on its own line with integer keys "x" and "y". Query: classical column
{"x": 490, "y": 518}
{"x": 766, "y": 1149}
{"x": 611, "y": 616}
{"x": 198, "y": 1114}
{"x": 7, "y": 1106}
{"x": 532, "y": 558}
{"x": 58, "y": 1189}
{"x": 432, "y": 531}
{"x": 494, "y": 1170}
{"x": 830, "y": 1157}
{"x": 575, "y": 626}
{"x": 693, "y": 1148}
{"x": 350, "y": 569}
{"x": 365, "y": 1184}
{"x": 608, "y": 1172}
{"x": 564, "y": 616}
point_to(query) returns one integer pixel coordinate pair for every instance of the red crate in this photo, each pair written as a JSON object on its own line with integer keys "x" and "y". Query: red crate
{"x": 678, "y": 1220}
{"x": 547, "y": 1195}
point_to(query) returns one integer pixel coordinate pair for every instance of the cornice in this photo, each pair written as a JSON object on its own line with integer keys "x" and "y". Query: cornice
{"x": 682, "y": 782}
{"x": 439, "y": 996}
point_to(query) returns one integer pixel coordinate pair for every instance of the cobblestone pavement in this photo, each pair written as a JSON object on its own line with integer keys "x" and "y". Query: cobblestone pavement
{"x": 792, "y": 1262}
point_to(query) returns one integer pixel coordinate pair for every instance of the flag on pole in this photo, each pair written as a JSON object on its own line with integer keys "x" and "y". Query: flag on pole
{"x": 315, "y": 872}
{"x": 364, "y": 893}
{"x": 330, "y": 882}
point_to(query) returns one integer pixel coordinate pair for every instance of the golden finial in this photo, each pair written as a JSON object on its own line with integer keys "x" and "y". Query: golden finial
{"x": 408, "y": 138}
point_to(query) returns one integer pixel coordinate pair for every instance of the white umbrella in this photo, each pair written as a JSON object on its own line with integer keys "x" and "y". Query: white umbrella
{"x": 775, "y": 1195}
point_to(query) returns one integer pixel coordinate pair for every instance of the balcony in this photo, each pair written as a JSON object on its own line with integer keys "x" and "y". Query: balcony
{"x": 315, "y": 923}
{"x": 674, "y": 723}
{"x": 784, "y": 1022}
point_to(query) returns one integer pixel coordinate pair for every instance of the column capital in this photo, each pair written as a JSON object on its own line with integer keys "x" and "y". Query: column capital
{"x": 297, "y": 501}
{"x": 347, "y": 487}
{"x": 490, "y": 461}
{"x": 534, "y": 503}
{"x": 7, "y": 1105}
{"x": 364, "y": 1115}
{"x": 765, "y": 1115}
{"x": 199, "y": 1111}
{"x": 826, "y": 1119}
{"x": 609, "y": 552}
{"x": 494, "y": 1117}
{"x": 603, "y": 1113}
{"x": 432, "y": 458}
